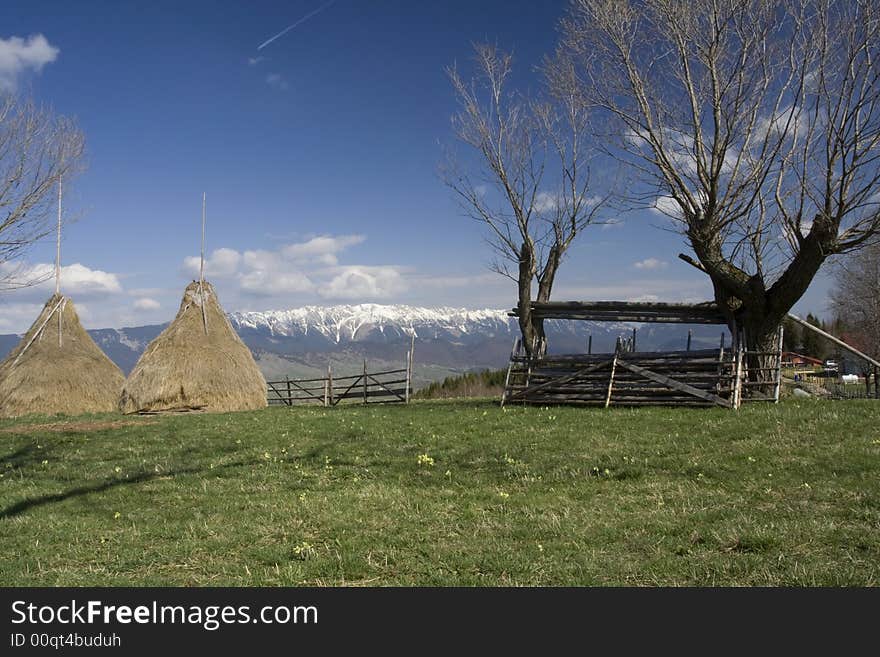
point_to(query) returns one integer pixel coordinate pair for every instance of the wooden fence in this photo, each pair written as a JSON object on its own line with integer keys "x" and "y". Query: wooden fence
{"x": 690, "y": 378}
{"x": 367, "y": 387}
{"x": 705, "y": 377}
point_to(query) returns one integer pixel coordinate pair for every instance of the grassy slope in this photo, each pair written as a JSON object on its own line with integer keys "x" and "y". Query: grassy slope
{"x": 770, "y": 495}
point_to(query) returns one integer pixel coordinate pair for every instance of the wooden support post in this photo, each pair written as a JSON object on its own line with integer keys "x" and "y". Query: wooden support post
{"x": 408, "y": 365}
{"x": 289, "y": 396}
{"x": 738, "y": 369}
{"x": 777, "y": 388}
{"x": 412, "y": 354}
{"x": 634, "y": 340}
{"x": 876, "y": 382}
{"x": 611, "y": 381}
{"x": 590, "y": 344}
{"x": 330, "y": 383}
{"x": 365, "y": 381}
{"x": 722, "y": 340}
{"x": 513, "y": 352}
{"x": 690, "y": 335}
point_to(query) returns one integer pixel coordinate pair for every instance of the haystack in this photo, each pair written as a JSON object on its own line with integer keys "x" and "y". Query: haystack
{"x": 198, "y": 362}
{"x": 58, "y": 368}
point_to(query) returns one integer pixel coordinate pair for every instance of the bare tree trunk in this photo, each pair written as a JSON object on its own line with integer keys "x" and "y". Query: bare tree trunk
{"x": 524, "y": 305}
{"x": 532, "y": 218}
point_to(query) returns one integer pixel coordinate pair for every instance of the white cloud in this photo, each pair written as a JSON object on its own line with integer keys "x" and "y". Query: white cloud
{"x": 364, "y": 283}
{"x": 277, "y": 81}
{"x": 221, "y": 263}
{"x": 546, "y": 202}
{"x": 146, "y": 303}
{"x": 76, "y": 280}
{"x": 667, "y": 206}
{"x": 651, "y": 263}
{"x": 253, "y": 61}
{"x": 18, "y": 55}
{"x": 266, "y": 282}
{"x": 292, "y": 268}
{"x": 16, "y": 317}
{"x": 323, "y": 248}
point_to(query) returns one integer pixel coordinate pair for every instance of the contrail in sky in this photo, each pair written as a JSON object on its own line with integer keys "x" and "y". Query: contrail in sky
{"x": 299, "y": 22}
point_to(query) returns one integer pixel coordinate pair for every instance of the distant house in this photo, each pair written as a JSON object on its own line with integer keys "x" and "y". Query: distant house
{"x": 791, "y": 359}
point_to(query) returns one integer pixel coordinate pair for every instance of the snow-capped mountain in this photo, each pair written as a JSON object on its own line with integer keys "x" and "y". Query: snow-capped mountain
{"x": 364, "y": 322}
{"x": 301, "y": 342}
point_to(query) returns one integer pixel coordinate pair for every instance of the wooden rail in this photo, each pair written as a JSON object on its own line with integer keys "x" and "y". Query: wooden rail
{"x": 388, "y": 386}
{"x": 695, "y": 378}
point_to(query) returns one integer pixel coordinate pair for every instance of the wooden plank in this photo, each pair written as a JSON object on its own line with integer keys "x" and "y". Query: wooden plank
{"x": 384, "y": 387}
{"x": 347, "y": 390}
{"x": 358, "y": 394}
{"x": 286, "y": 401}
{"x": 675, "y": 385}
{"x": 563, "y": 379}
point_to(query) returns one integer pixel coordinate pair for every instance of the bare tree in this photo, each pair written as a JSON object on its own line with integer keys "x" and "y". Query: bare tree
{"x": 856, "y": 300}
{"x": 754, "y": 125}
{"x": 530, "y": 184}
{"x": 37, "y": 150}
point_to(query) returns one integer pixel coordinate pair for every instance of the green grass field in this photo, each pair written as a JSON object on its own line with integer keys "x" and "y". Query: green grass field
{"x": 446, "y": 493}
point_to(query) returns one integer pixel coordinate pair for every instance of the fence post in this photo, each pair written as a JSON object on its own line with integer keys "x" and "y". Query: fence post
{"x": 408, "y": 365}
{"x": 330, "y": 382}
{"x": 778, "y": 387}
{"x": 326, "y": 393}
{"x": 876, "y": 382}
{"x": 289, "y": 395}
{"x": 690, "y": 334}
{"x": 590, "y": 344}
{"x": 365, "y": 381}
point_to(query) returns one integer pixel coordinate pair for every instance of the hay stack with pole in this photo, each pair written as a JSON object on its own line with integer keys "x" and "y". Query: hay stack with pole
{"x": 57, "y": 367}
{"x": 197, "y": 363}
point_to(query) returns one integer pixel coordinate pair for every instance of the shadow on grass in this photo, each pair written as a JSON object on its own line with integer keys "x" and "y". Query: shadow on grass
{"x": 25, "y": 505}
{"x": 19, "y": 458}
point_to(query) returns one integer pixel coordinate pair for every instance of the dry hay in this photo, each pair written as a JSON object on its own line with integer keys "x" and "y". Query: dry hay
{"x": 198, "y": 362}
{"x": 47, "y": 375}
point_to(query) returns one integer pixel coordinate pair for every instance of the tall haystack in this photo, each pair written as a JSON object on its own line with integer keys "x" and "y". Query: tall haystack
{"x": 198, "y": 362}
{"x": 58, "y": 368}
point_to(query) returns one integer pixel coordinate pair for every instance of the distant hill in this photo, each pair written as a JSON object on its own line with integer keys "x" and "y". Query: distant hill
{"x": 301, "y": 342}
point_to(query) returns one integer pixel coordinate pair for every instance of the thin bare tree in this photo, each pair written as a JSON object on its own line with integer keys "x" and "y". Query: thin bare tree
{"x": 37, "y": 150}
{"x": 527, "y": 178}
{"x": 754, "y": 126}
{"x": 856, "y": 301}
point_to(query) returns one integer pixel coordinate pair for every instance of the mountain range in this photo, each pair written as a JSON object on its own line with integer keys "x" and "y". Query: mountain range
{"x": 301, "y": 342}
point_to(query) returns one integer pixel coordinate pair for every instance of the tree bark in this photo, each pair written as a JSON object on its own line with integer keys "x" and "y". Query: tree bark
{"x": 527, "y": 325}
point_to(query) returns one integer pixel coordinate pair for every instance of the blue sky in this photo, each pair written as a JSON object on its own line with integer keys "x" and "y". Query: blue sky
{"x": 318, "y": 155}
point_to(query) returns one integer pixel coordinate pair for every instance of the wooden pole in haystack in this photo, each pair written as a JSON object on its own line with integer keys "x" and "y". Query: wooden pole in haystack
{"x": 202, "y": 264}
{"x": 58, "y": 245}
{"x": 58, "y": 259}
